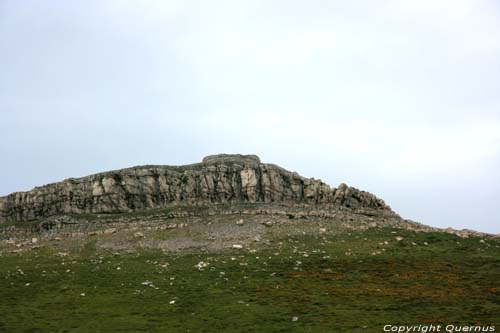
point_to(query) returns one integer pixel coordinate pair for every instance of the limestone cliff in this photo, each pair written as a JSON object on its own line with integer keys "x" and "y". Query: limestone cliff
{"x": 218, "y": 179}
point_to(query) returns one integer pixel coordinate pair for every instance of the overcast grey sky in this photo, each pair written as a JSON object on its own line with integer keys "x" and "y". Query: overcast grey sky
{"x": 400, "y": 98}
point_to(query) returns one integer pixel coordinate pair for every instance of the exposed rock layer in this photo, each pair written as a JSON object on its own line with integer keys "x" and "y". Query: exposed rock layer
{"x": 218, "y": 179}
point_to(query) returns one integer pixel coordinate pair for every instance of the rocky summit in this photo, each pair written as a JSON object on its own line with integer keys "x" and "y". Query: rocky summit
{"x": 232, "y": 245}
{"x": 218, "y": 179}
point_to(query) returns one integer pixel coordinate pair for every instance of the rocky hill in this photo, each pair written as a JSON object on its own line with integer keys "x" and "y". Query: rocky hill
{"x": 219, "y": 179}
{"x": 232, "y": 244}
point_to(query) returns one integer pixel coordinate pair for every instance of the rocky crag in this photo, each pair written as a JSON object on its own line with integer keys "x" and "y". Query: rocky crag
{"x": 218, "y": 179}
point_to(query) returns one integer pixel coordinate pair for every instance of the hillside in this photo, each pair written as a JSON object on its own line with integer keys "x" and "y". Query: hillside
{"x": 233, "y": 245}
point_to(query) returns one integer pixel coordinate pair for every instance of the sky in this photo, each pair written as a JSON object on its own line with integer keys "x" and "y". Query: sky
{"x": 399, "y": 98}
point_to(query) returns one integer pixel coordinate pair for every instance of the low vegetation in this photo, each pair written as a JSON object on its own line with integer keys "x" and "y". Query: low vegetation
{"x": 349, "y": 281}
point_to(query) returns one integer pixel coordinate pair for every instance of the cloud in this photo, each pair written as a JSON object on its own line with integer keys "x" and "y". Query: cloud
{"x": 402, "y": 149}
{"x": 471, "y": 28}
{"x": 396, "y": 97}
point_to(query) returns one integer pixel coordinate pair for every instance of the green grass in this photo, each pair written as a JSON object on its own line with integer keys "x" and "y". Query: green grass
{"x": 339, "y": 285}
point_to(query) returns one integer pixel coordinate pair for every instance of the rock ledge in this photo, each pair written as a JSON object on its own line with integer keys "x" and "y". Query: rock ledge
{"x": 219, "y": 179}
{"x": 227, "y": 158}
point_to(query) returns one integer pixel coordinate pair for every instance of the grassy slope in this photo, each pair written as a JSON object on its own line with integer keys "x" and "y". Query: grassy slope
{"x": 449, "y": 281}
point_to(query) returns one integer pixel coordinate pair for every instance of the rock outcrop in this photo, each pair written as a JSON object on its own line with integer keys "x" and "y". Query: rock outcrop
{"x": 219, "y": 179}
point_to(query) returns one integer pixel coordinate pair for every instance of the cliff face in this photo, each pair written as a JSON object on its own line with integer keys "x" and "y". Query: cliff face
{"x": 218, "y": 179}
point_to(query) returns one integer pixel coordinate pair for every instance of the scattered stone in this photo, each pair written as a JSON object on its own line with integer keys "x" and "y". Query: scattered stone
{"x": 295, "y": 318}
{"x": 240, "y": 222}
{"x": 109, "y": 231}
{"x": 138, "y": 234}
{"x": 149, "y": 284}
{"x": 34, "y": 240}
{"x": 237, "y": 246}
{"x": 399, "y": 238}
{"x": 201, "y": 265}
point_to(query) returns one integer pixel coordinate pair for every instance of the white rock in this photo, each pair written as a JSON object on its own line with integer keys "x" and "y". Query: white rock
{"x": 399, "y": 238}
{"x": 237, "y": 246}
{"x": 171, "y": 302}
{"x": 240, "y": 222}
{"x": 201, "y": 265}
{"x": 109, "y": 231}
{"x": 34, "y": 240}
{"x": 295, "y": 318}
